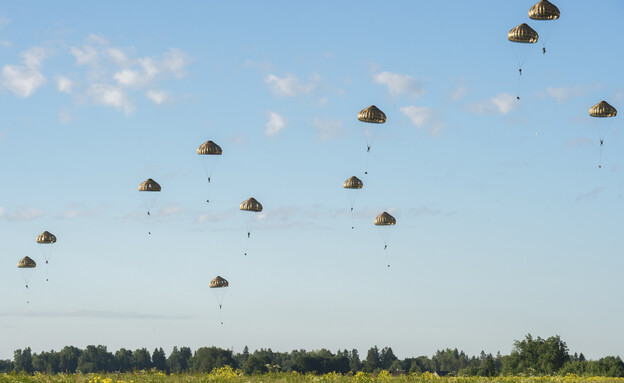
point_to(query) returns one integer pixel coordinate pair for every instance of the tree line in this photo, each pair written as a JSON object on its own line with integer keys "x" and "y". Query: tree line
{"x": 530, "y": 356}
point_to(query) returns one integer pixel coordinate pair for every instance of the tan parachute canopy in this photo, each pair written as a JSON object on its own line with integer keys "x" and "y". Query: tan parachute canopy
{"x": 522, "y": 34}
{"x": 544, "y": 10}
{"x": 385, "y": 219}
{"x": 353, "y": 183}
{"x": 209, "y": 148}
{"x": 46, "y": 237}
{"x": 251, "y": 205}
{"x": 149, "y": 185}
{"x": 26, "y": 263}
{"x": 372, "y": 114}
{"x": 218, "y": 282}
{"x": 602, "y": 109}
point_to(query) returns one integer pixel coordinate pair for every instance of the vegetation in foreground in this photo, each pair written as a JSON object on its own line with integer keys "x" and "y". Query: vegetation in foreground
{"x": 530, "y": 358}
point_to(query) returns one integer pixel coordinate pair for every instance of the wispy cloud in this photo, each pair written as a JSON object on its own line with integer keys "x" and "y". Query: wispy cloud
{"x": 328, "y": 129}
{"x": 158, "y": 97}
{"x": 100, "y": 314}
{"x": 23, "y": 213}
{"x": 276, "y": 123}
{"x": 429, "y": 211}
{"x": 23, "y": 80}
{"x": 64, "y": 116}
{"x": 592, "y": 194}
{"x": 262, "y": 65}
{"x": 564, "y": 94}
{"x": 397, "y": 84}
{"x": 288, "y": 86}
{"x": 4, "y": 22}
{"x": 105, "y": 94}
{"x": 459, "y": 91}
{"x": 5, "y": 44}
{"x": 64, "y": 84}
{"x": 77, "y": 210}
{"x": 502, "y": 103}
{"x": 115, "y": 74}
{"x": 422, "y": 116}
{"x": 578, "y": 141}
{"x": 171, "y": 210}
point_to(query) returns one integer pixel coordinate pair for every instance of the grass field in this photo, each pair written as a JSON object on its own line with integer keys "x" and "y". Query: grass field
{"x": 228, "y": 375}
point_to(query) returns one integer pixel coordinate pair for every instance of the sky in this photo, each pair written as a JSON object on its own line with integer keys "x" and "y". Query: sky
{"x": 505, "y": 223}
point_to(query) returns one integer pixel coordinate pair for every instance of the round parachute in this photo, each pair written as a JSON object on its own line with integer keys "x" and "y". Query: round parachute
{"x": 209, "y": 148}
{"x": 218, "y": 282}
{"x": 251, "y": 205}
{"x": 149, "y": 185}
{"x": 544, "y": 10}
{"x": 385, "y": 219}
{"x": 26, "y": 263}
{"x": 372, "y": 114}
{"x": 602, "y": 109}
{"x": 46, "y": 237}
{"x": 523, "y": 34}
{"x": 353, "y": 183}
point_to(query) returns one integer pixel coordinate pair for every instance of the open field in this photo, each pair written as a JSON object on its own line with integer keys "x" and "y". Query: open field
{"x": 229, "y": 375}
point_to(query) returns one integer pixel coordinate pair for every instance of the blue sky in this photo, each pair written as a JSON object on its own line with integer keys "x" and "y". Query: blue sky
{"x": 505, "y": 224}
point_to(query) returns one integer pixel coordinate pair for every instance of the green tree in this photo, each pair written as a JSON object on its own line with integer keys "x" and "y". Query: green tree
{"x": 159, "y": 360}
{"x": 68, "y": 359}
{"x": 95, "y": 359}
{"x": 22, "y": 360}
{"x": 47, "y": 362}
{"x": 386, "y": 358}
{"x": 373, "y": 360}
{"x": 141, "y": 359}
{"x": 208, "y": 358}
{"x": 123, "y": 360}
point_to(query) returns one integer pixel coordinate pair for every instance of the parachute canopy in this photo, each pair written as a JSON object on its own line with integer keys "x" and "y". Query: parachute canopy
{"x": 385, "y": 219}
{"x": 353, "y": 183}
{"x": 522, "y": 34}
{"x": 602, "y": 109}
{"x": 46, "y": 237}
{"x": 251, "y": 205}
{"x": 149, "y": 185}
{"x": 209, "y": 148}
{"x": 372, "y": 114}
{"x": 218, "y": 282}
{"x": 544, "y": 10}
{"x": 26, "y": 263}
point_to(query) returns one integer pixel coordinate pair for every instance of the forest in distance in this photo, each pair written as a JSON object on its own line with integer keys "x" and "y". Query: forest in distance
{"x": 530, "y": 356}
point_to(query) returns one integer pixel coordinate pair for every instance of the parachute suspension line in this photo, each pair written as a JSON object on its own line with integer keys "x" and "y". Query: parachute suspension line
{"x": 47, "y": 274}
{"x": 600, "y": 158}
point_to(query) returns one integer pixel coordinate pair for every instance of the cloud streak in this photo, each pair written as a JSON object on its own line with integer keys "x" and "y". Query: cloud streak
{"x": 288, "y": 86}
{"x": 399, "y": 84}
{"x": 24, "y": 80}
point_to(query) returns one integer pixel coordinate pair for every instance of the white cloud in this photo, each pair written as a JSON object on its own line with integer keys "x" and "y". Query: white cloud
{"x": 23, "y": 80}
{"x": 328, "y": 129}
{"x": 158, "y": 97}
{"x": 459, "y": 91}
{"x": 502, "y": 103}
{"x": 4, "y": 22}
{"x": 75, "y": 210}
{"x": 86, "y": 56}
{"x": 276, "y": 123}
{"x": 288, "y": 86}
{"x": 175, "y": 61}
{"x": 579, "y": 141}
{"x": 64, "y": 84}
{"x": 5, "y": 44}
{"x": 24, "y": 213}
{"x": 399, "y": 83}
{"x": 592, "y": 194}
{"x": 422, "y": 116}
{"x": 64, "y": 116}
{"x": 118, "y": 56}
{"x": 108, "y": 95}
{"x": 263, "y": 65}
{"x": 322, "y": 102}
{"x": 563, "y": 94}
{"x": 127, "y": 77}
{"x": 170, "y": 210}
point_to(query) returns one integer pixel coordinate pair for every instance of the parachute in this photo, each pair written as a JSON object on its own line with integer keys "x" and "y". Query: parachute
{"x": 351, "y": 186}
{"x": 148, "y": 189}
{"x": 209, "y": 153}
{"x": 26, "y": 267}
{"x": 253, "y": 206}
{"x": 370, "y": 115}
{"x": 385, "y": 222}
{"x": 545, "y": 11}
{"x": 47, "y": 240}
{"x": 217, "y": 286}
{"x": 526, "y": 37}
{"x": 602, "y": 110}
